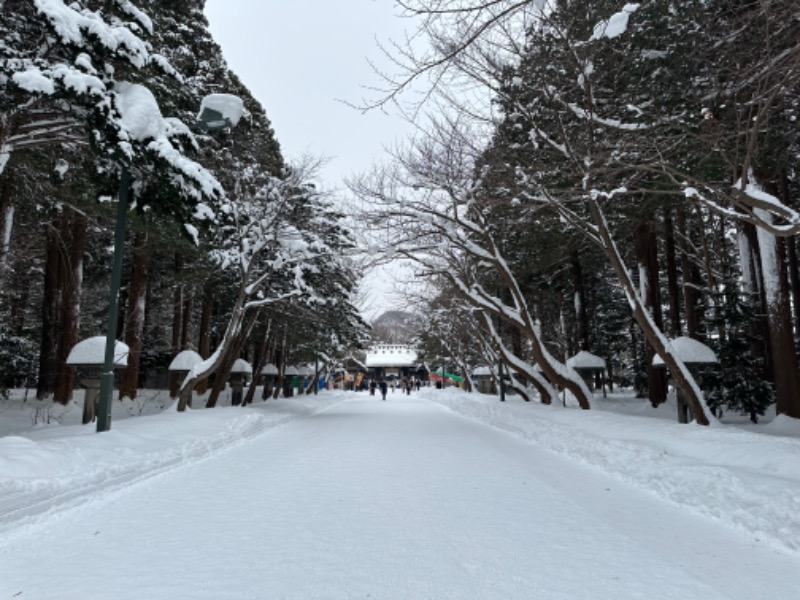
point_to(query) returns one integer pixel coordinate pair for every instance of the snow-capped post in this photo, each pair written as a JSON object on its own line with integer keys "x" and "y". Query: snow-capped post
{"x": 87, "y": 357}
{"x": 693, "y": 354}
{"x": 141, "y": 119}
{"x": 240, "y": 371}
{"x": 290, "y": 373}
{"x": 183, "y": 363}
{"x": 270, "y": 373}
{"x": 587, "y": 365}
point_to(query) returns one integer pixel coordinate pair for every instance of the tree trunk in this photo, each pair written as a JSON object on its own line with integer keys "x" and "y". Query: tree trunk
{"x": 177, "y": 320}
{"x": 791, "y": 254}
{"x": 221, "y": 376}
{"x": 134, "y": 318}
{"x": 204, "y": 333}
{"x": 258, "y": 363}
{"x": 581, "y": 314}
{"x": 672, "y": 276}
{"x": 51, "y": 302}
{"x": 753, "y": 284}
{"x": 684, "y": 380}
{"x": 779, "y": 320}
{"x": 6, "y": 226}
{"x": 691, "y": 281}
{"x": 554, "y": 370}
{"x": 186, "y": 321}
{"x": 647, "y": 254}
{"x": 794, "y": 279}
{"x": 711, "y": 283}
{"x": 280, "y": 362}
{"x": 71, "y": 275}
{"x": 236, "y": 334}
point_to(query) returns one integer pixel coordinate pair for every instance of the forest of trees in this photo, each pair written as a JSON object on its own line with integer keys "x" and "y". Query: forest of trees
{"x": 229, "y": 250}
{"x": 632, "y": 177}
{"x": 586, "y": 175}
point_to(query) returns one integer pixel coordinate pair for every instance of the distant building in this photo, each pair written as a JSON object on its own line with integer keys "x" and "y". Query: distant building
{"x": 393, "y": 360}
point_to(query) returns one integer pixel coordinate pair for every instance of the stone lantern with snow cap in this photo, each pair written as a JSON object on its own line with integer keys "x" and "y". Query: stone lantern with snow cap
{"x": 183, "y": 363}
{"x": 270, "y": 373}
{"x": 693, "y": 354}
{"x": 587, "y": 365}
{"x": 240, "y": 373}
{"x": 484, "y": 379}
{"x": 88, "y": 358}
{"x": 290, "y": 374}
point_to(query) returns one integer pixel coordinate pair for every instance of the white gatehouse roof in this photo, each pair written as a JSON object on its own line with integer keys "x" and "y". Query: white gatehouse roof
{"x": 391, "y": 355}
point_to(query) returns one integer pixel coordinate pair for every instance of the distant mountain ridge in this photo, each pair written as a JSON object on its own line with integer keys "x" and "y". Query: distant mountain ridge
{"x": 397, "y": 327}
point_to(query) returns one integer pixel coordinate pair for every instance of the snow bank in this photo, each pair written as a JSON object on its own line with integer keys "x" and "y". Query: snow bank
{"x": 51, "y": 469}
{"x": 749, "y": 481}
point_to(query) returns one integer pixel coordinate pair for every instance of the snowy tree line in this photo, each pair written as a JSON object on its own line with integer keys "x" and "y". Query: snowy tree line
{"x": 632, "y": 177}
{"x": 229, "y": 250}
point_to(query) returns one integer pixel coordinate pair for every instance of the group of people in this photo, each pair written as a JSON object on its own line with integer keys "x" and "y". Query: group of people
{"x": 405, "y": 385}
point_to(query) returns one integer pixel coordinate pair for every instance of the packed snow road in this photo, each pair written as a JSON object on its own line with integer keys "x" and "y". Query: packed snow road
{"x": 396, "y": 499}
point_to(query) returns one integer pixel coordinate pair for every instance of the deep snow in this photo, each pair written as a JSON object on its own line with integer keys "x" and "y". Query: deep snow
{"x": 343, "y": 496}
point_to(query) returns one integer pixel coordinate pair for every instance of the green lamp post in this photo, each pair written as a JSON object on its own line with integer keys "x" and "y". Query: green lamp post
{"x": 217, "y": 112}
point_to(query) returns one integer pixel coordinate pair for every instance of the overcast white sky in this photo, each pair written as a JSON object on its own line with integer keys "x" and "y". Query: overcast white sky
{"x": 302, "y": 59}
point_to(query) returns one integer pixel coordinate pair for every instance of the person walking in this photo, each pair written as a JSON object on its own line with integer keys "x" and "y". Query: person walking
{"x": 383, "y": 387}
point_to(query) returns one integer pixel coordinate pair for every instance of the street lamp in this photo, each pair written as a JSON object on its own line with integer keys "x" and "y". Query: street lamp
{"x": 217, "y": 112}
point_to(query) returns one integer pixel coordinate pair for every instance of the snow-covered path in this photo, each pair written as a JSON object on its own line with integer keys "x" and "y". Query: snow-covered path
{"x": 402, "y": 499}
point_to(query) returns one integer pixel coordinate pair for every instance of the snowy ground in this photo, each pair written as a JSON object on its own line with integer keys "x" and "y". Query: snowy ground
{"x": 437, "y": 495}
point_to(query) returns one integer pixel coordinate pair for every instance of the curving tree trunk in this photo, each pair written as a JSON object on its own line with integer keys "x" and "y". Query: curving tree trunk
{"x": 684, "y": 380}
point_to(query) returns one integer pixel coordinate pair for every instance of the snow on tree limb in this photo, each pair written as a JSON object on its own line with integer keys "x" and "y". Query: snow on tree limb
{"x": 76, "y": 26}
